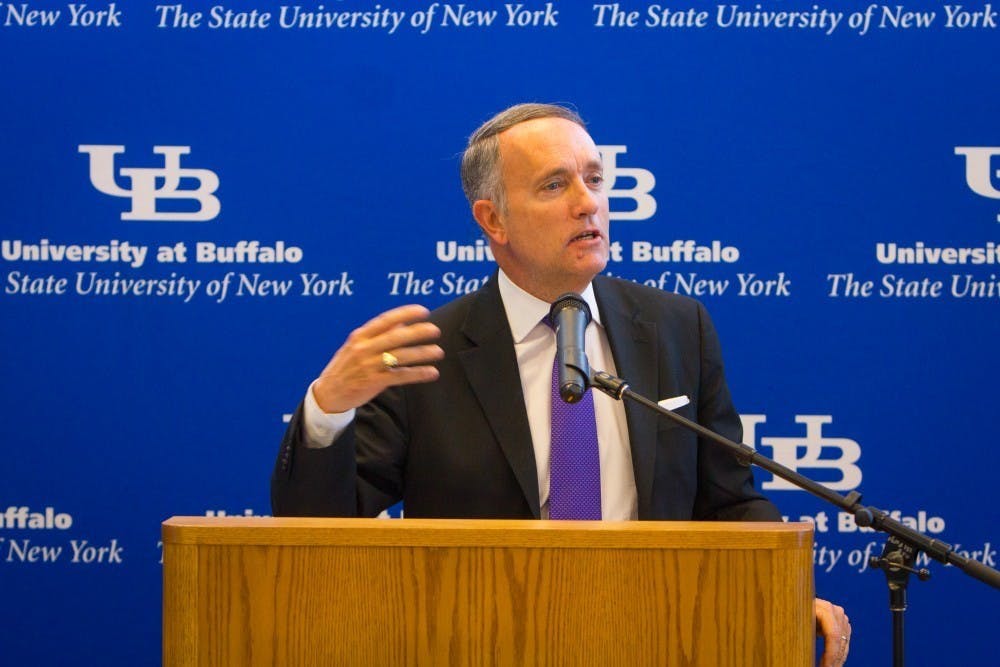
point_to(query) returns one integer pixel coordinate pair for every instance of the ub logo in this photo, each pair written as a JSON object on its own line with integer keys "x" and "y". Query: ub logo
{"x": 979, "y": 172}
{"x": 149, "y": 185}
{"x": 642, "y": 184}
{"x": 805, "y": 453}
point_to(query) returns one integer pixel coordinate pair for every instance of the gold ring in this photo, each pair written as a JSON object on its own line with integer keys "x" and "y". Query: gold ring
{"x": 389, "y": 361}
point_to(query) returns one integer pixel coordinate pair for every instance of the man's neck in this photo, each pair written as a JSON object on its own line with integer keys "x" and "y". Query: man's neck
{"x": 524, "y": 310}
{"x": 548, "y": 294}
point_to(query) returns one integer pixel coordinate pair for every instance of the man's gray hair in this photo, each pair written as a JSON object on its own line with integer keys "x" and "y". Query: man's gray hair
{"x": 481, "y": 178}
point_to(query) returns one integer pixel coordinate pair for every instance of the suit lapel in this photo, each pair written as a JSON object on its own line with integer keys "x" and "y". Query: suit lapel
{"x": 633, "y": 345}
{"x": 491, "y": 368}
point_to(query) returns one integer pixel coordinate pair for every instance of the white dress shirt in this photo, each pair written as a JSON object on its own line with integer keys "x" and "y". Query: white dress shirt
{"x": 535, "y": 348}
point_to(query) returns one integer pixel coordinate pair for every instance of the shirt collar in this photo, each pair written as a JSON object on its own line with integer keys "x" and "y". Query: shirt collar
{"x": 525, "y": 312}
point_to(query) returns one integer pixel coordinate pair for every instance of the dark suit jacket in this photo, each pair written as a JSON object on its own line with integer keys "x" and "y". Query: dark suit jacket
{"x": 461, "y": 446}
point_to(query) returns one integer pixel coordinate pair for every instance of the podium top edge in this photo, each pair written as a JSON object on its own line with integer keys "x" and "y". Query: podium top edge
{"x": 290, "y": 531}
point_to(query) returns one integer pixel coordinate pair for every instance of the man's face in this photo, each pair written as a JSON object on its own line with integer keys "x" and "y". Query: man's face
{"x": 553, "y": 237}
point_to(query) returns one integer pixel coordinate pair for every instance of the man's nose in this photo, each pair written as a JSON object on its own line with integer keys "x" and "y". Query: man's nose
{"x": 587, "y": 201}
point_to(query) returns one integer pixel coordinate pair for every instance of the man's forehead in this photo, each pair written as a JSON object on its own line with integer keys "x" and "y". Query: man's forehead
{"x": 541, "y": 140}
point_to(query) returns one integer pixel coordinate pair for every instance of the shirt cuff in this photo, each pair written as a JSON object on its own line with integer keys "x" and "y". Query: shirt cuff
{"x": 322, "y": 428}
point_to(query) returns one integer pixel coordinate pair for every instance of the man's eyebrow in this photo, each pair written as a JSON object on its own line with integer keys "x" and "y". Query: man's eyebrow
{"x": 558, "y": 171}
{"x": 592, "y": 165}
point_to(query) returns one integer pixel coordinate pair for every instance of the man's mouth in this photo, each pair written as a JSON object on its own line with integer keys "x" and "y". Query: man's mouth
{"x": 586, "y": 236}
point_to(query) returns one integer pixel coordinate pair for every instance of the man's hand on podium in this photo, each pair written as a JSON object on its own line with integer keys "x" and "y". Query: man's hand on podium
{"x": 835, "y": 628}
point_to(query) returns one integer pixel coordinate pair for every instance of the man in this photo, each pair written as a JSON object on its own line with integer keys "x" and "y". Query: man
{"x": 462, "y": 428}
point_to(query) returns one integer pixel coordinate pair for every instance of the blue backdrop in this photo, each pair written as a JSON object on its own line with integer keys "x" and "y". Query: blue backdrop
{"x": 200, "y": 202}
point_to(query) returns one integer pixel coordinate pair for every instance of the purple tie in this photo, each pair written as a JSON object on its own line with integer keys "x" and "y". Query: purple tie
{"x": 575, "y": 464}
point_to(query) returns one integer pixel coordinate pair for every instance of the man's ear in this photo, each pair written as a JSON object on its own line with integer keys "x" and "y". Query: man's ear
{"x": 488, "y": 216}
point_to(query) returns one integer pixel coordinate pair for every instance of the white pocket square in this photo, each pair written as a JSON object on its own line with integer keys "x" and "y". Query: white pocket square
{"x": 674, "y": 403}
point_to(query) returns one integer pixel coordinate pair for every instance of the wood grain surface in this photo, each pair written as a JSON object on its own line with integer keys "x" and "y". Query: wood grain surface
{"x": 256, "y": 591}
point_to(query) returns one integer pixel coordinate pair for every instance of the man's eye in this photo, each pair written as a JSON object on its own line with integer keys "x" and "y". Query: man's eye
{"x": 552, "y": 185}
{"x": 597, "y": 180}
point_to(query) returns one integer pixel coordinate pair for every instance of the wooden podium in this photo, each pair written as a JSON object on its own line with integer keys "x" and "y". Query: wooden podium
{"x": 262, "y": 591}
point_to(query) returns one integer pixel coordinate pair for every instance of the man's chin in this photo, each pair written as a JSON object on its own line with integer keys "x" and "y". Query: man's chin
{"x": 586, "y": 270}
{"x": 595, "y": 264}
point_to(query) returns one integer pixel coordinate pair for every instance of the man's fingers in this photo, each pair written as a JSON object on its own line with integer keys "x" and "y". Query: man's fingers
{"x": 412, "y": 375}
{"x": 416, "y": 355}
{"x": 413, "y": 365}
{"x": 404, "y": 336}
{"x": 833, "y": 624}
{"x": 391, "y": 319}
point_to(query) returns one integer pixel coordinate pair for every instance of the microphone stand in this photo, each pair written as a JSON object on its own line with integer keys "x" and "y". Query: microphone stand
{"x": 902, "y": 547}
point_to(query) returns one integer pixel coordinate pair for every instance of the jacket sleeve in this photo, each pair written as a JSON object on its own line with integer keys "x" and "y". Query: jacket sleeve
{"x": 359, "y": 474}
{"x": 314, "y": 482}
{"x": 726, "y": 490}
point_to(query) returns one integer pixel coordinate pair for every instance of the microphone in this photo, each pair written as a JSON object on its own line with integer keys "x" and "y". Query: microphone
{"x": 570, "y": 316}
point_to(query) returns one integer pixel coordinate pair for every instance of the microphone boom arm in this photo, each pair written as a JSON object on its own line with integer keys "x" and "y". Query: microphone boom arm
{"x": 872, "y": 517}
